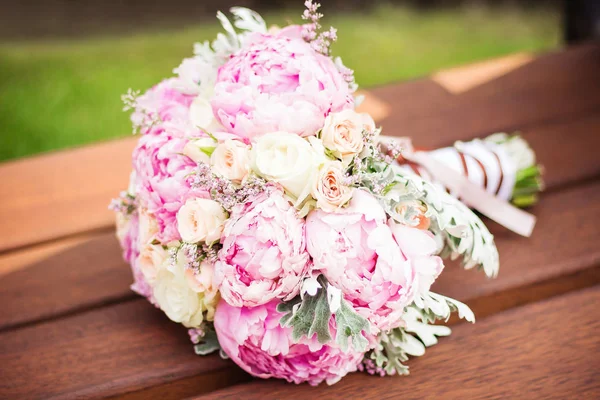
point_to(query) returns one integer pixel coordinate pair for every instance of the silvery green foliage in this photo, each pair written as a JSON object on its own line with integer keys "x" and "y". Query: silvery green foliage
{"x": 462, "y": 232}
{"x": 310, "y": 313}
{"x": 433, "y": 306}
{"x": 208, "y": 344}
{"x": 197, "y": 75}
{"x": 248, "y": 20}
{"x": 395, "y": 347}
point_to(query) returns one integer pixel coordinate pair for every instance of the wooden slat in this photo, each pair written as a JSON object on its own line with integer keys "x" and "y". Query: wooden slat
{"x": 61, "y": 278}
{"x": 63, "y": 193}
{"x": 553, "y": 87}
{"x": 464, "y": 78}
{"x": 126, "y": 348}
{"x": 553, "y": 261}
{"x": 544, "y": 350}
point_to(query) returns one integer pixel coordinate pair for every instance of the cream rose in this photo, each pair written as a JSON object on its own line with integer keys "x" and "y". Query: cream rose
{"x": 123, "y": 222}
{"x": 231, "y": 159}
{"x": 199, "y": 149}
{"x": 177, "y": 299}
{"x": 201, "y": 220}
{"x": 343, "y": 133}
{"x": 150, "y": 260}
{"x": 329, "y": 189}
{"x": 289, "y": 160}
{"x": 202, "y": 281}
{"x": 147, "y": 226}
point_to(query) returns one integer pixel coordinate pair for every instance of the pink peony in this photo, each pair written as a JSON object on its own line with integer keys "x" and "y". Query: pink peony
{"x": 164, "y": 108}
{"x": 264, "y": 252}
{"x": 254, "y": 340}
{"x": 356, "y": 251}
{"x": 162, "y": 184}
{"x": 278, "y": 83}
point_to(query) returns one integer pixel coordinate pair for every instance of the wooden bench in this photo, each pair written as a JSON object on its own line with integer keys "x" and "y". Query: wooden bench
{"x": 70, "y": 326}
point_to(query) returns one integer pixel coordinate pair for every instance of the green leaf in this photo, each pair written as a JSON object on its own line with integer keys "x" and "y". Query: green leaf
{"x": 312, "y": 316}
{"x": 208, "y": 344}
{"x": 207, "y": 150}
{"x": 350, "y": 325}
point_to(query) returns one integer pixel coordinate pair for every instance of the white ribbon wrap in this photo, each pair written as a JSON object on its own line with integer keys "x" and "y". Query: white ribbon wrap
{"x": 479, "y": 173}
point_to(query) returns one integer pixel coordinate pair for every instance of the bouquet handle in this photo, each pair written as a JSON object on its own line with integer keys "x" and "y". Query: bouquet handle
{"x": 493, "y": 207}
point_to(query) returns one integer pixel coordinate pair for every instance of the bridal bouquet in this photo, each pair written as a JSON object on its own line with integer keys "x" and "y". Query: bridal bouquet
{"x": 269, "y": 217}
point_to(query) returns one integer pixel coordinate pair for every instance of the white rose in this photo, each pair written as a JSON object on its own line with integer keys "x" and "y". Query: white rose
{"x": 199, "y": 150}
{"x": 150, "y": 260}
{"x": 231, "y": 160}
{"x": 287, "y": 159}
{"x": 177, "y": 299}
{"x": 329, "y": 189}
{"x": 343, "y": 133}
{"x": 200, "y": 220}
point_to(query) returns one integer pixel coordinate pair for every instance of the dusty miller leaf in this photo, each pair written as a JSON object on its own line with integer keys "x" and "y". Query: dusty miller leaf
{"x": 350, "y": 325}
{"x": 312, "y": 316}
{"x": 208, "y": 344}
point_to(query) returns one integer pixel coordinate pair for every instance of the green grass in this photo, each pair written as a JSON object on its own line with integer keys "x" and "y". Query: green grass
{"x": 65, "y": 93}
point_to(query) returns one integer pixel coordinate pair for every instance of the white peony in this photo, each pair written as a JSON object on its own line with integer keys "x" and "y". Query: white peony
{"x": 231, "y": 160}
{"x": 201, "y": 220}
{"x": 289, "y": 160}
{"x": 201, "y": 113}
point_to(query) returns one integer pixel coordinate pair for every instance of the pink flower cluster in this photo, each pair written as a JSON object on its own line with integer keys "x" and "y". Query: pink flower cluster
{"x": 209, "y": 222}
{"x": 162, "y": 183}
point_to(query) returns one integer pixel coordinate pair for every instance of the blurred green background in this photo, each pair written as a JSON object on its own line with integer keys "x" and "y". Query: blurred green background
{"x": 65, "y": 92}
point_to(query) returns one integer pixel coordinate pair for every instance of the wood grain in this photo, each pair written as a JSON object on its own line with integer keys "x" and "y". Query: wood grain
{"x": 62, "y": 193}
{"x": 121, "y": 349}
{"x": 547, "y": 350}
{"x": 86, "y": 274}
{"x": 464, "y": 78}
{"x": 551, "y": 88}
{"x": 20, "y": 259}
